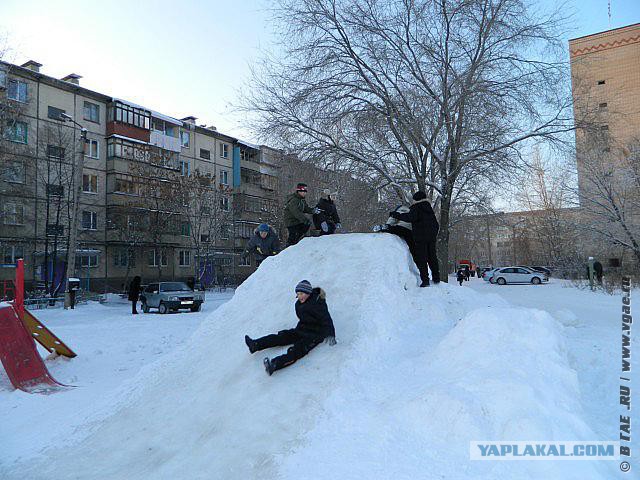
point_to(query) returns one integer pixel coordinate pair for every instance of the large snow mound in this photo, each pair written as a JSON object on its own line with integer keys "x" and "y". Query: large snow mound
{"x": 416, "y": 375}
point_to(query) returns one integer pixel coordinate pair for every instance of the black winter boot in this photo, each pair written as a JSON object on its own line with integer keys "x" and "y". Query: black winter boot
{"x": 268, "y": 366}
{"x": 250, "y": 343}
{"x": 425, "y": 283}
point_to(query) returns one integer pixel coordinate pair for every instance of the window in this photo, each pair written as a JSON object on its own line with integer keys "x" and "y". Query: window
{"x": 14, "y": 171}
{"x": 11, "y": 254}
{"x": 185, "y": 229}
{"x": 604, "y": 127}
{"x": 185, "y": 169}
{"x": 170, "y": 130}
{"x": 89, "y": 183}
{"x": 224, "y": 231}
{"x": 54, "y": 230}
{"x": 55, "y": 113}
{"x": 92, "y": 149}
{"x": 55, "y": 190}
{"x": 603, "y": 105}
{"x": 89, "y": 220}
{"x": 3, "y": 78}
{"x": 224, "y": 150}
{"x": 124, "y": 257}
{"x": 125, "y": 186}
{"x": 17, "y": 131}
{"x": 123, "y": 113}
{"x": 601, "y": 82}
{"x": 13, "y": 214}
{"x": 224, "y": 177}
{"x": 244, "y": 261}
{"x": 185, "y": 258}
{"x": 87, "y": 260}
{"x": 185, "y": 138}
{"x": 53, "y": 151}
{"x": 17, "y": 90}
{"x": 206, "y": 154}
{"x": 158, "y": 125}
{"x": 204, "y": 238}
{"x": 155, "y": 256}
{"x": 92, "y": 112}
{"x": 117, "y": 147}
{"x": 224, "y": 203}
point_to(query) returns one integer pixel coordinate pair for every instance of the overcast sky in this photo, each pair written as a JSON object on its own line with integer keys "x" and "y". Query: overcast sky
{"x": 181, "y": 58}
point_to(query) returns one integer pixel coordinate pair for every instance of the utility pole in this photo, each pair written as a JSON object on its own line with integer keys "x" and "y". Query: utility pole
{"x": 77, "y": 192}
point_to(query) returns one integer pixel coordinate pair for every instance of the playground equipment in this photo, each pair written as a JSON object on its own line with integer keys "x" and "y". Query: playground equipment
{"x": 18, "y": 350}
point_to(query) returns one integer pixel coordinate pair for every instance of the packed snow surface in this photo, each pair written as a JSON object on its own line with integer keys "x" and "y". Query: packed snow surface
{"x": 415, "y": 376}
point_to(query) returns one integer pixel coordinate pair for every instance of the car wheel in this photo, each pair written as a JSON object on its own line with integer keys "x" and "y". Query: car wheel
{"x": 501, "y": 281}
{"x": 535, "y": 280}
{"x": 163, "y": 308}
{"x": 145, "y": 307}
{"x": 195, "y": 308}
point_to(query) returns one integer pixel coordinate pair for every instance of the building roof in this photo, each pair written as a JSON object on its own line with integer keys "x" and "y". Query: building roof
{"x": 612, "y": 30}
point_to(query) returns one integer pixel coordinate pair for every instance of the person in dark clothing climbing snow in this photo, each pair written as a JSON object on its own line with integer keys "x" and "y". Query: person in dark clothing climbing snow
{"x": 264, "y": 243}
{"x": 327, "y": 219}
{"x": 460, "y": 276}
{"x": 424, "y": 227}
{"x": 314, "y": 326}
{"x": 294, "y": 214}
{"x": 134, "y": 293}
{"x": 398, "y": 227}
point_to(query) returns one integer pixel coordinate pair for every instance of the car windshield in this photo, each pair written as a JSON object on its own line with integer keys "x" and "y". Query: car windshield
{"x": 174, "y": 287}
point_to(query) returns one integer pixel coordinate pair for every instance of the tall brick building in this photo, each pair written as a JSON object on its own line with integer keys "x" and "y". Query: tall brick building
{"x": 605, "y": 75}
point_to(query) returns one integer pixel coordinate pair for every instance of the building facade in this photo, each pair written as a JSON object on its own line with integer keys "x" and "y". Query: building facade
{"x": 161, "y": 197}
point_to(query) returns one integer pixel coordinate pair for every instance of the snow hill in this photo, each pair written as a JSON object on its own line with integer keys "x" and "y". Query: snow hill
{"x": 416, "y": 375}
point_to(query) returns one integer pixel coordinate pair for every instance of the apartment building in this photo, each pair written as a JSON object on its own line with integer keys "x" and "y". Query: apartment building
{"x": 141, "y": 169}
{"x": 605, "y": 77}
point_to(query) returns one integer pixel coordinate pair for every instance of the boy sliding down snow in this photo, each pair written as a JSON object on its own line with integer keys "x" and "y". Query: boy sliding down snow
{"x": 315, "y": 325}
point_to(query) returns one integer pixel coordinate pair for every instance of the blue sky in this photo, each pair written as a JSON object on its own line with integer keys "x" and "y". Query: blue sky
{"x": 182, "y": 58}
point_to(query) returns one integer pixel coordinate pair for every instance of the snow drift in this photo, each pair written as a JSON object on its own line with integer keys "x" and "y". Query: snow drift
{"x": 416, "y": 375}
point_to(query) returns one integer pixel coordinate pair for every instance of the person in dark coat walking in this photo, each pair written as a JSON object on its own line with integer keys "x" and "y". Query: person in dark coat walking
{"x": 424, "y": 227}
{"x": 327, "y": 220}
{"x": 294, "y": 214}
{"x": 264, "y": 243}
{"x": 460, "y": 276}
{"x": 134, "y": 293}
{"x": 314, "y": 326}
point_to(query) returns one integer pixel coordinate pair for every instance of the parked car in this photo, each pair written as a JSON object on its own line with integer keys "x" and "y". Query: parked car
{"x": 544, "y": 270}
{"x": 170, "y": 297}
{"x": 487, "y": 275}
{"x": 505, "y": 275}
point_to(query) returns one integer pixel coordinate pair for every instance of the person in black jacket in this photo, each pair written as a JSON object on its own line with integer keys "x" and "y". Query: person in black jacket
{"x": 460, "y": 276}
{"x": 314, "y": 326}
{"x": 424, "y": 227}
{"x": 134, "y": 293}
{"x": 327, "y": 219}
{"x": 264, "y": 243}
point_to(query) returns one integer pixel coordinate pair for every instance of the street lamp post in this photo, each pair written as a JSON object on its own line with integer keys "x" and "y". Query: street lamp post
{"x": 77, "y": 192}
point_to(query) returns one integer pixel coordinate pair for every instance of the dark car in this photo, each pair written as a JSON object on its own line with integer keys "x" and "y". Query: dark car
{"x": 170, "y": 297}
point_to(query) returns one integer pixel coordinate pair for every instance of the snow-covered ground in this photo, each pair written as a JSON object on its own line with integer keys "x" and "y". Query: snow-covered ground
{"x": 416, "y": 375}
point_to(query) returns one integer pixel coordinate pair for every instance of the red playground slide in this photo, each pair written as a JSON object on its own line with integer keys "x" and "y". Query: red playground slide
{"x": 20, "y": 356}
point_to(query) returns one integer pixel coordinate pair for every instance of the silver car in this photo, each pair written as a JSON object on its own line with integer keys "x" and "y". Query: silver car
{"x": 170, "y": 297}
{"x": 505, "y": 275}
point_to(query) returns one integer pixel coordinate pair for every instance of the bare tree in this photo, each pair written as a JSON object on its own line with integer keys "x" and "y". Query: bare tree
{"x": 427, "y": 94}
{"x": 609, "y": 192}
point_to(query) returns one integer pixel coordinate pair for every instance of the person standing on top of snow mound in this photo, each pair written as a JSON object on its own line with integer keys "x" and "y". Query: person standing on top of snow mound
{"x": 327, "y": 219}
{"x": 294, "y": 214}
{"x": 424, "y": 227}
{"x": 314, "y": 326}
{"x": 264, "y": 243}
